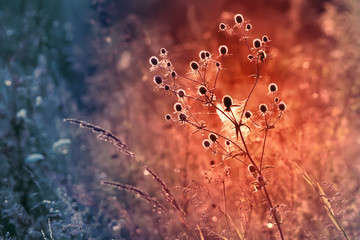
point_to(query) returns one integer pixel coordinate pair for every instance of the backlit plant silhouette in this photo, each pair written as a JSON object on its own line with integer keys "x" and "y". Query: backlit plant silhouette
{"x": 237, "y": 132}
{"x": 237, "y": 119}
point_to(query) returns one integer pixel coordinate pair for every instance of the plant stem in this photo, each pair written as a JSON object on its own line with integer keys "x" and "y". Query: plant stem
{"x": 274, "y": 213}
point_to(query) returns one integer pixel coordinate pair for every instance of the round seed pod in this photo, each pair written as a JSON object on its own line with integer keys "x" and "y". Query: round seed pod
{"x": 227, "y": 101}
{"x": 222, "y": 26}
{"x": 202, "y": 90}
{"x": 213, "y": 137}
{"x": 154, "y": 61}
{"x": 265, "y": 38}
{"x": 282, "y": 106}
{"x": 248, "y": 27}
{"x": 239, "y": 19}
{"x": 257, "y": 43}
{"x": 181, "y": 93}
{"x": 223, "y": 50}
{"x": 252, "y": 168}
{"x": 158, "y": 80}
{"x": 263, "y": 108}
{"x": 206, "y": 143}
{"x": 178, "y": 107}
{"x": 182, "y": 117}
{"x": 194, "y": 65}
{"x": 273, "y": 87}
{"x": 248, "y": 114}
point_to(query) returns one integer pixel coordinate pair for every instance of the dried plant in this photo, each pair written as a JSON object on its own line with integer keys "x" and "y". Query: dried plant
{"x": 237, "y": 120}
{"x": 324, "y": 199}
{"x": 236, "y": 131}
{"x": 160, "y": 208}
{"x": 103, "y": 135}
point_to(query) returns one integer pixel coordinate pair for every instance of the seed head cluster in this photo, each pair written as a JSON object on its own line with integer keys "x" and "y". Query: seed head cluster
{"x": 238, "y": 117}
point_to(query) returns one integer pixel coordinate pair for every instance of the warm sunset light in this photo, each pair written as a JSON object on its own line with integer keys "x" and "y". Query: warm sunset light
{"x": 207, "y": 119}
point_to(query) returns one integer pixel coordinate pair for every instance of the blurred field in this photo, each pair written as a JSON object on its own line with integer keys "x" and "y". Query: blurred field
{"x": 89, "y": 60}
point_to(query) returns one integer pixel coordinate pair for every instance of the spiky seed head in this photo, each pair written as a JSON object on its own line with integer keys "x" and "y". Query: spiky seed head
{"x": 202, "y": 54}
{"x": 213, "y": 137}
{"x": 178, "y": 107}
{"x": 263, "y": 108}
{"x": 257, "y": 43}
{"x": 265, "y": 38}
{"x": 194, "y": 65}
{"x": 222, "y": 26}
{"x": 248, "y": 27}
{"x": 252, "y": 168}
{"x": 167, "y": 117}
{"x": 248, "y": 114}
{"x": 163, "y": 51}
{"x": 206, "y": 143}
{"x": 202, "y": 90}
{"x": 250, "y": 57}
{"x": 223, "y": 50}
{"x": 282, "y": 106}
{"x": 182, "y": 117}
{"x": 273, "y": 87}
{"x": 218, "y": 64}
{"x": 207, "y": 54}
{"x": 262, "y": 55}
{"x": 227, "y": 143}
{"x": 181, "y": 93}
{"x": 173, "y": 74}
{"x": 276, "y": 99}
{"x": 238, "y": 18}
{"x": 158, "y": 79}
{"x": 153, "y": 61}
{"x": 167, "y": 87}
{"x": 227, "y": 101}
